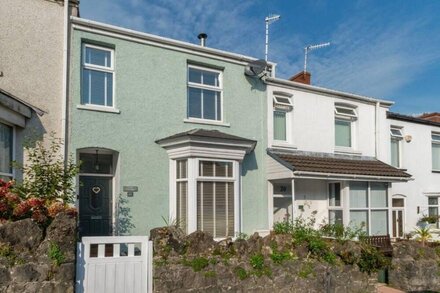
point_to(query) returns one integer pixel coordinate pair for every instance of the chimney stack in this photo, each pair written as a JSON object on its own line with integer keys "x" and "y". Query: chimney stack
{"x": 202, "y": 37}
{"x": 302, "y": 77}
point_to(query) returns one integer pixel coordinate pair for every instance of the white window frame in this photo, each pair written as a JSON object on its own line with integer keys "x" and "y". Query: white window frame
{"x": 352, "y": 118}
{"x": 435, "y": 206}
{"x": 335, "y": 208}
{"x": 287, "y": 108}
{"x": 397, "y": 209}
{"x": 435, "y": 141}
{"x": 99, "y": 68}
{"x": 205, "y": 87}
{"x": 12, "y": 174}
{"x": 398, "y": 137}
{"x": 193, "y": 178}
{"x": 369, "y": 209}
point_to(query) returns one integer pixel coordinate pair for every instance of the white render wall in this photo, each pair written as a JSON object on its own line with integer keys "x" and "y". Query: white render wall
{"x": 416, "y": 159}
{"x": 313, "y": 126}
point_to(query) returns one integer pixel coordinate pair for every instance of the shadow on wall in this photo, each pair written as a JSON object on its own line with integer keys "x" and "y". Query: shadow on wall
{"x": 256, "y": 83}
{"x": 124, "y": 223}
{"x": 249, "y": 163}
{"x": 28, "y": 136}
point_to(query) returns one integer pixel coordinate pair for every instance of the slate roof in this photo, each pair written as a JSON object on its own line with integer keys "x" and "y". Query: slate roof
{"x": 204, "y": 133}
{"x": 397, "y": 116}
{"x": 328, "y": 163}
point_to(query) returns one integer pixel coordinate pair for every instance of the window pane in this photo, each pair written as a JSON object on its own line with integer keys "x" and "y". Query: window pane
{"x": 181, "y": 169}
{"x": 359, "y": 219}
{"x": 283, "y": 100}
{"x": 209, "y": 104}
{"x": 346, "y": 111}
{"x": 433, "y": 211}
{"x": 181, "y": 198}
{"x": 194, "y": 103}
{"x": 205, "y": 207}
{"x": 206, "y": 168}
{"x": 96, "y": 86}
{"x": 279, "y": 125}
{"x": 432, "y": 201}
{"x": 398, "y": 202}
{"x": 343, "y": 133}
{"x": 435, "y": 137}
{"x": 335, "y": 195}
{"x": 96, "y": 163}
{"x": 6, "y": 136}
{"x": 210, "y": 78}
{"x": 379, "y": 222}
{"x": 219, "y": 106}
{"x": 335, "y": 217}
{"x": 195, "y": 75}
{"x": 379, "y": 198}
{"x": 282, "y": 209}
{"x": 221, "y": 203}
{"x": 223, "y": 169}
{"x": 358, "y": 195}
{"x": 435, "y": 156}
{"x": 395, "y": 153}
{"x": 98, "y": 57}
{"x": 396, "y": 132}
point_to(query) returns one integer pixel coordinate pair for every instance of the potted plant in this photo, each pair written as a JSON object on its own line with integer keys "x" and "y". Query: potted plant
{"x": 429, "y": 221}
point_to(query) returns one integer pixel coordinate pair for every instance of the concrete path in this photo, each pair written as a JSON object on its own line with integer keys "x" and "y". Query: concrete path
{"x": 383, "y": 288}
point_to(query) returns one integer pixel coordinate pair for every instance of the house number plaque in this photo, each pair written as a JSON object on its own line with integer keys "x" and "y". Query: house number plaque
{"x": 130, "y": 190}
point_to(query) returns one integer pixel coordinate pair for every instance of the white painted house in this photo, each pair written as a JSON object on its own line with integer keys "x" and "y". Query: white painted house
{"x": 415, "y": 148}
{"x": 328, "y": 153}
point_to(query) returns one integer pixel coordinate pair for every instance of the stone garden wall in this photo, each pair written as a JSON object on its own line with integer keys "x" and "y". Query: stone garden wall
{"x": 33, "y": 259}
{"x": 196, "y": 263}
{"x": 415, "y": 268}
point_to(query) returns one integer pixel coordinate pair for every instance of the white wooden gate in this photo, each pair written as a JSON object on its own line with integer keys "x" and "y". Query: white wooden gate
{"x": 120, "y": 264}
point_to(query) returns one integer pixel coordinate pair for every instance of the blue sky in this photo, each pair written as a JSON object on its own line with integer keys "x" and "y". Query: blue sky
{"x": 383, "y": 49}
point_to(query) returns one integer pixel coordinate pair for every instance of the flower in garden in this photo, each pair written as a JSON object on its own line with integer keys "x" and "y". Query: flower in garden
{"x": 21, "y": 209}
{"x": 39, "y": 216}
{"x": 35, "y": 202}
{"x": 55, "y": 208}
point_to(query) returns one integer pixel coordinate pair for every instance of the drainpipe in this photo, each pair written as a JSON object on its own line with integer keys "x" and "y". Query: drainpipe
{"x": 65, "y": 81}
{"x": 376, "y": 131}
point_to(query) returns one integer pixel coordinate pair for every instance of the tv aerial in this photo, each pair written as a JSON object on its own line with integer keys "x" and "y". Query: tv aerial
{"x": 256, "y": 68}
{"x": 310, "y": 48}
{"x": 269, "y": 20}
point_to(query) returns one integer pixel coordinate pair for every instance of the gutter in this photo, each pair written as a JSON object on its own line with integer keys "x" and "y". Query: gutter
{"x": 351, "y": 176}
{"x": 312, "y": 88}
{"x": 136, "y": 36}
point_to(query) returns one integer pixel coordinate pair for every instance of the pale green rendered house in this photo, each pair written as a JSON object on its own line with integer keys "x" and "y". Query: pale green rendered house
{"x": 166, "y": 131}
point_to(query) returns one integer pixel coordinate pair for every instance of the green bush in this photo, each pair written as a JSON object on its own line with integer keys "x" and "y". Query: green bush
{"x": 197, "y": 264}
{"x": 279, "y": 257}
{"x": 257, "y": 261}
{"x": 341, "y": 232}
{"x": 371, "y": 260}
{"x": 241, "y": 273}
{"x": 55, "y": 254}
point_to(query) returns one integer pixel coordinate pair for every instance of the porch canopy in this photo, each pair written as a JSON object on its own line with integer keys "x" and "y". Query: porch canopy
{"x": 312, "y": 165}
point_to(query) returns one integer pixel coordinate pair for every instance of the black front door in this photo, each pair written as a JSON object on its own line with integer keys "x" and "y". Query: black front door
{"x": 95, "y": 206}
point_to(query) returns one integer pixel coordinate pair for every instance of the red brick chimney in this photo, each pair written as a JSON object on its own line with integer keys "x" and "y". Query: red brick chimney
{"x": 435, "y": 116}
{"x": 302, "y": 77}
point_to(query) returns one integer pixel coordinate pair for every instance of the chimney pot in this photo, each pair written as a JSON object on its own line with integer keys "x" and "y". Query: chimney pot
{"x": 202, "y": 37}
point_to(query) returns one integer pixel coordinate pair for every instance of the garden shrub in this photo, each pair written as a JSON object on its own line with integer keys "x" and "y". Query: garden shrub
{"x": 47, "y": 188}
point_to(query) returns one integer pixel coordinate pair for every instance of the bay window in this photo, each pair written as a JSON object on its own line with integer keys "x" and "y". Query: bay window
{"x": 206, "y": 196}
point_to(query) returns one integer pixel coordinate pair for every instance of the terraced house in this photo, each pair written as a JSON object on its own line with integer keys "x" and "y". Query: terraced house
{"x": 169, "y": 131}
{"x": 166, "y": 131}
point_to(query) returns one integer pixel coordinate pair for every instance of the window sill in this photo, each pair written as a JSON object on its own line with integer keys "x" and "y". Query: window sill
{"x": 98, "y": 108}
{"x": 436, "y": 171}
{"x": 207, "y": 122}
{"x": 347, "y": 151}
{"x": 283, "y": 145}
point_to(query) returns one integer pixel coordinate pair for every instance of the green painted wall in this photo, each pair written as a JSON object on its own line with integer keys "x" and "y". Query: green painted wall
{"x": 150, "y": 92}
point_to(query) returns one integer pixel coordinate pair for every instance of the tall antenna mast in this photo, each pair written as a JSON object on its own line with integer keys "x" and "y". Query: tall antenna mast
{"x": 310, "y": 48}
{"x": 269, "y": 20}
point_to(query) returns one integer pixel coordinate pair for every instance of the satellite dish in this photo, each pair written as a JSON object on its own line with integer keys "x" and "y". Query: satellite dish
{"x": 256, "y": 68}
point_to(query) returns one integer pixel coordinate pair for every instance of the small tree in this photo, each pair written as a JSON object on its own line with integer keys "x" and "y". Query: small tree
{"x": 423, "y": 234}
{"x": 46, "y": 174}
